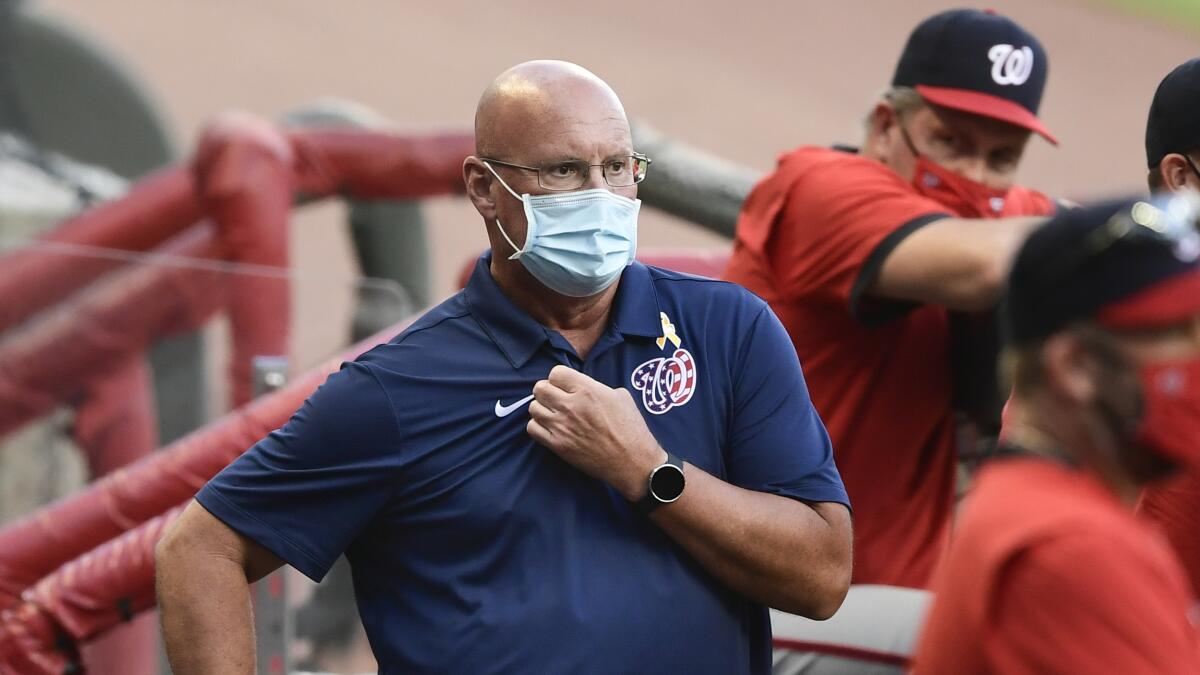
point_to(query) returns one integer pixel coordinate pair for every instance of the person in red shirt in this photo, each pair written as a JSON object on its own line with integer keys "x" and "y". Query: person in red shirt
{"x": 1049, "y": 570}
{"x": 862, "y": 253}
{"x": 1172, "y": 144}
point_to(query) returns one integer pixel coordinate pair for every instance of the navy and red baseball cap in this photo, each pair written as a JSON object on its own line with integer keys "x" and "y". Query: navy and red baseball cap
{"x": 978, "y": 62}
{"x": 1172, "y": 125}
{"x": 1125, "y": 264}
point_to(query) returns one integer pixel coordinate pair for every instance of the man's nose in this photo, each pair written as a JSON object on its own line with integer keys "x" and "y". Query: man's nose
{"x": 974, "y": 168}
{"x": 595, "y": 177}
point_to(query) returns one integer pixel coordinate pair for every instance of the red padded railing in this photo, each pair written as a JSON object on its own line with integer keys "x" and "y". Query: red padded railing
{"x": 245, "y": 176}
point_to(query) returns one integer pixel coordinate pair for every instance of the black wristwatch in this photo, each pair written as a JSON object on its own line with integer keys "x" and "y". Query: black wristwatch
{"x": 665, "y": 485}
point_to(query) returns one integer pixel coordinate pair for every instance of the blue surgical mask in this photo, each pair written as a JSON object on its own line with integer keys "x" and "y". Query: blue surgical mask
{"x": 577, "y": 243}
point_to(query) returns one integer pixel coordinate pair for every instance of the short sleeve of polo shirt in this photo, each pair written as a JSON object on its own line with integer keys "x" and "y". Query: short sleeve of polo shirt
{"x": 841, "y": 220}
{"x": 1083, "y": 603}
{"x": 306, "y": 490}
{"x": 778, "y": 443}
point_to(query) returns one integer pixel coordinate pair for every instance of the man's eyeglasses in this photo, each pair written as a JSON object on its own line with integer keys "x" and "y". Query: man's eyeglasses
{"x": 1169, "y": 221}
{"x": 573, "y": 174}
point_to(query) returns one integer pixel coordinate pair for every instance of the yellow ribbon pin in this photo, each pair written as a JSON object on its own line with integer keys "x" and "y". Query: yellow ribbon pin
{"x": 668, "y": 332}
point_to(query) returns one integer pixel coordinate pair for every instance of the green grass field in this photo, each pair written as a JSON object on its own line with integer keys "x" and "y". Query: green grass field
{"x": 1182, "y": 14}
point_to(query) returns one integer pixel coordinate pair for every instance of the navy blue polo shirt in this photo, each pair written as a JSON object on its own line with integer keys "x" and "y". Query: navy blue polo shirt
{"x": 475, "y": 549}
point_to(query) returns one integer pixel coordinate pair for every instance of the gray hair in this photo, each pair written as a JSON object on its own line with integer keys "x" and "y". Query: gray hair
{"x": 904, "y": 100}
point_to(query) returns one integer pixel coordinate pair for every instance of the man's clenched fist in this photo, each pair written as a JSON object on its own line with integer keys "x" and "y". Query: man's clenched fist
{"x": 595, "y": 428}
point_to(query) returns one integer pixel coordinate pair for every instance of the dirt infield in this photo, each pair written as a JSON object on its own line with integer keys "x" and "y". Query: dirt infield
{"x": 743, "y": 80}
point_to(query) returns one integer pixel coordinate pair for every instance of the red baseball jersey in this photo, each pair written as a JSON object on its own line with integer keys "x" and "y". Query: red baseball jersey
{"x": 1174, "y": 507}
{"x": 1050, "y": 573}
{"x": 811, "y": 239}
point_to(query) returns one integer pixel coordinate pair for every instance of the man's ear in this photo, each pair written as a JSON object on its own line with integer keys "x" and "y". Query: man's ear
{"x": 1069, "y": 370}
{"x": 880, "y": 123}
{"x": 883, "y": 117}
{"x": 1174, "y": 171}
{"x": 479, "y": 180}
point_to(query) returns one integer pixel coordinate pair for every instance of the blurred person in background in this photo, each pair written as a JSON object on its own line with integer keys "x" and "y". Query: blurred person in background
{"x": 1049, "y": 570}
{"x": 864, "y": 253}
{"x": 1172, "y": 146}
{"x": 668, "y": 480}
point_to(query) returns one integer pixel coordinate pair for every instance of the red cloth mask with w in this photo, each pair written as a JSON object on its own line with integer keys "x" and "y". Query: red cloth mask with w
{"x": 1170, "y": 425}
{"x": 963, "y": 196}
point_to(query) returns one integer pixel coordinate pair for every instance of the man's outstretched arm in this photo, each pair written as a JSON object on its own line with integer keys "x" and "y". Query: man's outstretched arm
{"x": 204, "y": 570}
{"x": 959, "y": 263}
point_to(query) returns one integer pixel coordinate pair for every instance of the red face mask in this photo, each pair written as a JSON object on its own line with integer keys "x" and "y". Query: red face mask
{"x": 1170, "y": 425}
{"x": 963, "y": 196}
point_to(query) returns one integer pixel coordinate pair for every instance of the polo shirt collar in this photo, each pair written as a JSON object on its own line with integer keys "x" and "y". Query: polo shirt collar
{"x": 519, "y": 336}
{"x": 635, "y": 309}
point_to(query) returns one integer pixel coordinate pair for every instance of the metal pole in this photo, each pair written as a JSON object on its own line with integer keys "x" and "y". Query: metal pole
{"x": 390, "y": 237}
{"x": 272, "y": 621}
{"x": 692, "y": 184}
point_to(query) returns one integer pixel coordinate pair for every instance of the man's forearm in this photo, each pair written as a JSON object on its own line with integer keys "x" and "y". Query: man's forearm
{"x": 959, "y": 263}
{"x": 772, "y": 549}
{"x": 204, "y": 605}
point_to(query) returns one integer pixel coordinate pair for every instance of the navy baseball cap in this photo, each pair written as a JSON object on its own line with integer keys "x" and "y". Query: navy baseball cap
{"x": 977, "y": 62}
{"x": 1131, "y": 263}
{"x": 1173, "y": 126}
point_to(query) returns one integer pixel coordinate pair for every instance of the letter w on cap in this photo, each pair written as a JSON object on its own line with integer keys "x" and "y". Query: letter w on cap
{"x": 1010, "y": 65}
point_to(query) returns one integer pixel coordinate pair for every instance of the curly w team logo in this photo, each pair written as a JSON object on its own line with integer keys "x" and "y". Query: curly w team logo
{"x": 667, "y": 381}
{"x": 1010, "y": 65}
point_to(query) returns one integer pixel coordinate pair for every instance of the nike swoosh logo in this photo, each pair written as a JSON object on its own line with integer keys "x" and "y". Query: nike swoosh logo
{"x": 506, "y": 410}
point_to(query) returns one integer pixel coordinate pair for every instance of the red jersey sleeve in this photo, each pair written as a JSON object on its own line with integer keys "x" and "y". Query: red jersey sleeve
{"x": 1085, "y": 603}
{"x": 1174, "y": 506}
{"x": 823, "y": 223}
{"x": 841, "y": 218}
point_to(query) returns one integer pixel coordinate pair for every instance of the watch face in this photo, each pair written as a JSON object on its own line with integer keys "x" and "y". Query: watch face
{"x": 667, "y": 483}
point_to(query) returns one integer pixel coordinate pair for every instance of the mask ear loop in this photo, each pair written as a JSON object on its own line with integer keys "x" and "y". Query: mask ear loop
{"x": 1116, "y": 422}
{"x": 517, "y": 249}
{"x": 907, "y": 139}
{"x": 1192, "y": 164}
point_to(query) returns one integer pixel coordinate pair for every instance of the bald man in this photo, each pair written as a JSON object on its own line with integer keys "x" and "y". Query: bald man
{"x": 576, "y": 464}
